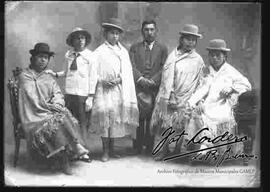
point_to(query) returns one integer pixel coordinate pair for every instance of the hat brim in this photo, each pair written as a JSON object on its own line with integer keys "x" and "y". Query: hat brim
{"x": 112, "y": 25}
{"x": 189, "y": 33}
{"x": 83, "y": 32}
{"x": 218, "y": 49}
{"x": 34, "y": 52}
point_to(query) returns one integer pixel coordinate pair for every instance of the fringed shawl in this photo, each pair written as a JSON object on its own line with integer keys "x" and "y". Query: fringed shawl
{"x": 176, "y": 86}
{"x": 129, "y": 114}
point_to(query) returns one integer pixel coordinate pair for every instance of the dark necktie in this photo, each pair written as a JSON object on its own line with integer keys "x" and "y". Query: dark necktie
{"x": 147, "y": 56}
{"x": 73, "y": 66}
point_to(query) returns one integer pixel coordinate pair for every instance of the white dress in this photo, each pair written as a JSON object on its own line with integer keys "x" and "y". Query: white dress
{"x": 218, "y": 111}
{"x": 114, "y": 111}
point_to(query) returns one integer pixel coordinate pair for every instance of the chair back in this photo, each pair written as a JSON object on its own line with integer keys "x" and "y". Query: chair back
{"x": 13, "y": 88}
{"x": 246, "y": 108}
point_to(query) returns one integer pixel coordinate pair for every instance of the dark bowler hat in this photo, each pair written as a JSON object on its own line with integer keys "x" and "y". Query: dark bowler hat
{"x": 217, "y": 44}
{"x": 191, "y": 29}
{"x": 113, "y": 22}
{"x": 77, "y": 31}
{"x": 41, "y": 48}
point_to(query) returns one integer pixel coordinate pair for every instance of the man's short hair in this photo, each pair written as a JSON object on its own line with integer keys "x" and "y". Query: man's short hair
{"x": 147, "y": 22}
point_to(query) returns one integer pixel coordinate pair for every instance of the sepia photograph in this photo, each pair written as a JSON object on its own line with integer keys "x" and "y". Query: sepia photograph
{"x": 132, "y": 94}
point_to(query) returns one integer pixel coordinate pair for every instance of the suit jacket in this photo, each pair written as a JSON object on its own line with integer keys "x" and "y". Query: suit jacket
{"x": 152, "y": 71}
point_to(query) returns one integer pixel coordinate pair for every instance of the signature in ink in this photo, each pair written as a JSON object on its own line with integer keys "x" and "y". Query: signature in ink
{"x": 220, "y": 158}
{"x": 222, "y": 140}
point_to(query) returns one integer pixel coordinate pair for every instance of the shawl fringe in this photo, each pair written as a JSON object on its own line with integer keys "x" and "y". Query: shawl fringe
{"x": 47, "y": 130}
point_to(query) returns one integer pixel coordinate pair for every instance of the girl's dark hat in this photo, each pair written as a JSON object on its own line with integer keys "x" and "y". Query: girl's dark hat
{"x": 41, "y": 48}
{"x": 76, "y": 31}
{"x": 217, "y": 44}
{"x": 113, "y": 22}
{"x": 191, "y": 29}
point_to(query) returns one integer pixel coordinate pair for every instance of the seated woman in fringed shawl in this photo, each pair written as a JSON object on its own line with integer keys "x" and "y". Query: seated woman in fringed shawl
{"x": 215, "y": 99}
{"x": 181, "y": 76}
{"x": 50, "y": 129}
{"x": 115, "y": 112}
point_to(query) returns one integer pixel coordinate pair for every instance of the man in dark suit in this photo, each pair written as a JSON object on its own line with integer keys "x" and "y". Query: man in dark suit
{"x": 147, "y": 58}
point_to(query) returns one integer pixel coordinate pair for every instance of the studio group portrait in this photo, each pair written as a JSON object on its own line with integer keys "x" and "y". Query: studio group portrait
{"x": 132, "y": 94}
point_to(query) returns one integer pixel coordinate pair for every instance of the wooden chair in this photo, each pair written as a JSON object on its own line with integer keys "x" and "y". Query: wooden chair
{"x": 246, "y": 114}
{"x": 14, "y": 96}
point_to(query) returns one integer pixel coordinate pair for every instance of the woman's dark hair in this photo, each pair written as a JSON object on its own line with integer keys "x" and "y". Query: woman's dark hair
{"x": 225, "y": 53}
{"x": 181, "y": 40}
{"x": 87, "y": 39}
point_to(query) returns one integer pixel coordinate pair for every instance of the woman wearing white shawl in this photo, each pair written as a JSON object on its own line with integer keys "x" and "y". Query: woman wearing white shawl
{"x": 216, "y": 98}
{"x": 115, "y": 112}
{"x": 181, "y": 75}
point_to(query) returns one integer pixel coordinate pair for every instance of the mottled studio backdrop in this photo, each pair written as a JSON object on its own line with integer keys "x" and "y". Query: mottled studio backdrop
{"x": 27, "y": 23}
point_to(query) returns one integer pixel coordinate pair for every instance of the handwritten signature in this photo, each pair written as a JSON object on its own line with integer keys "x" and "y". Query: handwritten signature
{"x": 222, "y": 140}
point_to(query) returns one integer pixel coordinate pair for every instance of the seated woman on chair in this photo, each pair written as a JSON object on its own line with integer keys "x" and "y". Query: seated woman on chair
{"x": 50, "y": 129}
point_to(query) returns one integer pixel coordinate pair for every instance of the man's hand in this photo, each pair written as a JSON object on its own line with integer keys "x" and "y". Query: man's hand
{"x": 146, "y": 83}
{"x": 88, "y": 103}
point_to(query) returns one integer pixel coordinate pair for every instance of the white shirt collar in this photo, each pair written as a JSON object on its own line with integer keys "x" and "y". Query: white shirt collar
{"x": 150, "y": 45}
{"x": 116, "y": 47}
{"x": 179, "y": 53}
{"x": 214, "y": 72}
{"x": 82, "y": 53}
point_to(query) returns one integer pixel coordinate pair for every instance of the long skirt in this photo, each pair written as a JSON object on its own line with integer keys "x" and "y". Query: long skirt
{"x": 49, "y": 137}
{"x": 107, "y": 114}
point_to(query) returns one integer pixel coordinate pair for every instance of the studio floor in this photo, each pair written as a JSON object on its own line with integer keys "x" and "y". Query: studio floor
{"x": 128, "y": 171}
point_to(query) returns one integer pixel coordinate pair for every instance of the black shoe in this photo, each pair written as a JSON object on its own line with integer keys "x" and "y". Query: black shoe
{"x": 85, "y": 159}
{"x": 111, "y": 149}
{"x": 132, "y": 152}
{"x": 66, "y": 169}
{"x": 105, "y": 145}
{"x": 113, "y": 155}
{"x": 161, "y": 156}
{"x": 105, "y": 157}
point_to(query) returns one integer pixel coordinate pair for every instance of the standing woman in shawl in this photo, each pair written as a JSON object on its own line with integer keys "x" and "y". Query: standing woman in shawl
{"x": 181, "y": 74}
{"x": 115, "y": 112}
{"x": 217, "y": 96}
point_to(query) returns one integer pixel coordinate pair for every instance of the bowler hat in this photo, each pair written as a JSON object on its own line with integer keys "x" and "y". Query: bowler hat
{"x": 217, "y": 44}
{"x": 191, "y": 29}
{"x": 77, "y": 31}
{"x": 113, "y": 22}
{"x": 41, "y": 48}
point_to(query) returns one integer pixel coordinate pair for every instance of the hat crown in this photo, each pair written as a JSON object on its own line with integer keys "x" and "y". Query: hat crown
{"x": 190, "y": 28}
{"x": 42, "y": 47}
{"x": 114, "y": 21}
{"x": 218, "y": 44}
{"x": 77, "y": 29}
